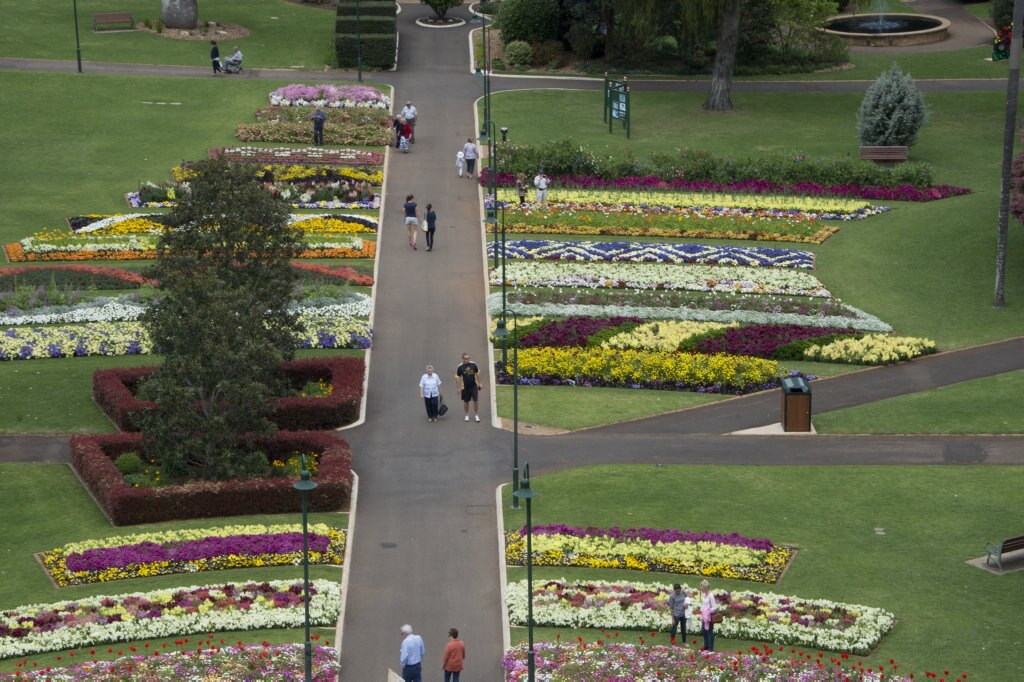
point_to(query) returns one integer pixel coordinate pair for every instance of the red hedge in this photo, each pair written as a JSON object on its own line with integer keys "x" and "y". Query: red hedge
{"x": 114, "y": 392}
{"x": 93, "y": 459}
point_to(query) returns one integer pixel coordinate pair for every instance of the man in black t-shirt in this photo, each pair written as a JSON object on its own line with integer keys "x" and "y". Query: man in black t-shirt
{"x": 467, "y": 377}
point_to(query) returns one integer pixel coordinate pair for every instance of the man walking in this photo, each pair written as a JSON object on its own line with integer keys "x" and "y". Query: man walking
{"x": 467, "y": 377}
{"x": 318, "y": 117}
{"x": 541, "y": 182}
{"x": 411, "y": 655}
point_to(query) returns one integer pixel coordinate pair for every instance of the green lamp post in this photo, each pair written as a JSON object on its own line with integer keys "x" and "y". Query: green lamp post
{"x": 502, "y": 333}
{"x": 527, "y": 493}
{"x": 305, "y": 486}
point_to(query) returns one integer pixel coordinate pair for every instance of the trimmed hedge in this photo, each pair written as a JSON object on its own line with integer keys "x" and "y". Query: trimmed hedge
{"x": 92, "y": 458}
{"x": 114, "y": 392}
{"x": 378, "y": 49}
{"x": 367, "y": 8}
{"x": 366, "y": 25}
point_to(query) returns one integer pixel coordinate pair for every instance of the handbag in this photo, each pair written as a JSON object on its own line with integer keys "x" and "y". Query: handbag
{"x": 423, "y": 225}
{"x": 717, "y": 617}
{"x": 442, "y": 409}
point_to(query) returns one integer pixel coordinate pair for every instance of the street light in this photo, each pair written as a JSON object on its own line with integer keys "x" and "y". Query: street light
{"x": 487, "y": 135}
{"x": 502, "y": 333}
{"x": 359, "y": 43}
{"x": 78, "y": 45}
{"x": 526, "y": 492}
{"x": 305, "y": 486}
{"x": 504, "y": 134}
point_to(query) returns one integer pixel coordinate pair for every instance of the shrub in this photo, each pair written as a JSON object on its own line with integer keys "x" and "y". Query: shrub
{"x": 92, "y": 458}
{"x": 441, "y": 7}
{"x": 531, "y": 20}
{"x": 518, "y": 53}
{"x": 352, "y": 25}
{"x": 1002, "y": 12}
{"x": 128, "y": 463}
{"x": 378, "y": 51}
{"x": 582, "y": 40}
{"x": 548, "y": 53}
{"x": 893, "y": 110}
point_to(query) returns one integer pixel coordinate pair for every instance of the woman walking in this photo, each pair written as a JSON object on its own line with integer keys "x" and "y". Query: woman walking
{"x": 431, "y": 218}
{"x": 708, "y": 607}
{"x": 430, "y": 391}
{"x": 412, "y": 222}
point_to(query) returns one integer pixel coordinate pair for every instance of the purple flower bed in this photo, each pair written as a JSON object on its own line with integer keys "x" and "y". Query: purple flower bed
{"x": 761, "y": 340}
{"x": 751, "y": 186}
{"x": 359, "y": 94}
{"x": 195, "y": 550}
{"x": 572, "y": 331}
{"x": 653, "y": 535}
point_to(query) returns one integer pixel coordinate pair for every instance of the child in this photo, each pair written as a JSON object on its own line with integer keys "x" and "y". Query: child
{"x": 459, "y": 162}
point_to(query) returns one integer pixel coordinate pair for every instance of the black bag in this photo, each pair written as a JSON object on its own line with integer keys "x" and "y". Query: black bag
{"x": 442, "y": 409}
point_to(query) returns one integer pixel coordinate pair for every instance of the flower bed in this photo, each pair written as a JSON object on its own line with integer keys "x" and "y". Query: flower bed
{"x": 152, "y": 223}
{"x": 113, "y": 390}
{"x": 287, "y": 173}
{"x": 92, "y": 458}
{"x": 328, "y": 95}
{"x": 761, "y": 616}
{"x": 617, "y": 662}
{"x": 666, "y": 335}
{"x": 666, "y": 221}
{"x": 81, "y": 276}
{"x": 822, "y": 208}
{"x": 321, "y": 273}
{"x": 362, "y": 128}
{"x": 647, "y": 549}
{"x": 731, "y": 279}
{"x": 131, "y": 338}
{"x": 572, "y": 331}
{"x": 190, "y": 551}
{"x": 874, "y": 349}
{"x": 304, "y": 155}
{"x": 571, "y": 366}
{"x": 757, "y": 340}
{"x": 648, "y": 252}
{"x": 686, "y": 305}
{"x": 86, "y": 622}
{"x": 136, "y": 201}
{"x": 257, "y": 662}
{"x": 899, "y": 192}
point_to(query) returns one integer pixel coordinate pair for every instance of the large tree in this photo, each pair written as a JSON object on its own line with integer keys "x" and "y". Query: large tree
{"x": 719, "y": 97}
{"x": 222, "y": 323}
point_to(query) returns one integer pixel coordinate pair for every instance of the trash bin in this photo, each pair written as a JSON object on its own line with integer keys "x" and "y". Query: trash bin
{"x": 796, "y": 404}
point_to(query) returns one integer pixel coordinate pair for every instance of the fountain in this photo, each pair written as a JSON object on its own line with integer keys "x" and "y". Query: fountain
{"x": 888, "y": 30}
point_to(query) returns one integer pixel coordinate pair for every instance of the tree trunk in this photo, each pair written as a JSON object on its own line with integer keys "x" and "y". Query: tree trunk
{"x": 179, "y": 13}
{"x": 725, "y": 58}
{"x": 1009, "y": 128}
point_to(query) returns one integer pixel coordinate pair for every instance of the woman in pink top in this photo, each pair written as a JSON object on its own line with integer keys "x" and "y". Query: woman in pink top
{"x": 454, "y": 655}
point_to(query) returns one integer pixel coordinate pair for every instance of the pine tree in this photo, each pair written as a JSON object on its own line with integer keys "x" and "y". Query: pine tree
{"x": 892, "y": 112}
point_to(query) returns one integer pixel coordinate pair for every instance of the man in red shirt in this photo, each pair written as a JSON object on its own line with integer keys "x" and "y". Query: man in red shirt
{"x": 454, "y": 656}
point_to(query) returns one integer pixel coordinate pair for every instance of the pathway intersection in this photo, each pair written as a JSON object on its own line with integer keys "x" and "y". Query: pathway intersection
{"x": 425, "y": 541}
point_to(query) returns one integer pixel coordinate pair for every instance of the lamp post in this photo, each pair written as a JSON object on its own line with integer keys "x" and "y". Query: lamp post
{"x": 487, "y": 134}
{"x": 304, "y": 485}
{"x": 526, "y": 492}
{"x": 78, "y": 45}
{"x": 359, "y": 43}
{"x": 502, "y": 333}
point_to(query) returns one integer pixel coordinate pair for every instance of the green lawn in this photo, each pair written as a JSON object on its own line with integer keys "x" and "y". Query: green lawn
{"x": 282, "y": 34}
{"x": 989, "y": 405}
{"x": 934, "y": 518}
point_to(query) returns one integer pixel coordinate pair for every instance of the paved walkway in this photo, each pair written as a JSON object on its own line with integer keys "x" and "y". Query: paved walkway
{"x": 425, "y": 541}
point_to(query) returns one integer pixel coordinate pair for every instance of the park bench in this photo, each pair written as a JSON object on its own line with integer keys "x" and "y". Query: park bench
{"x": 997, "y": 551}
{"x": 112, "y": 19}
{"x": 883, "y": 153}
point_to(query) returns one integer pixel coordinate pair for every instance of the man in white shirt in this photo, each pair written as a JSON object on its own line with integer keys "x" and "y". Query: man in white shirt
{"x": 412, "y": 653}
{"x": 409, "y": 114}
{"x": 541, "y": 182}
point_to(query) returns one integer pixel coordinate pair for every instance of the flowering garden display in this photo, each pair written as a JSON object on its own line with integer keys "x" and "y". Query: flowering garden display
{"x": 609, "y": 661}
{"x": 762, "y": 616}
{"x": 301, "y": 155}
{"x": 652, "y": 252}
{"x": 328, "y": 95}
{"x": 359, "y": 127}
{"x": 874, "y": 349}
{"x": 191, "y": 551}
{"x": 654, "y": 550}
{"x": 37, "y": 628}
{"x": 255, "y": 662}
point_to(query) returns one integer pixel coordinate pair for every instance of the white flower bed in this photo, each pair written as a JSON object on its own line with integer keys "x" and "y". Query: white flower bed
{"x": 736, "y": 279}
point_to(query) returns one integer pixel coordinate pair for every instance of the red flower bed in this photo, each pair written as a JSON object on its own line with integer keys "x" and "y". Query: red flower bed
{"x": 93, "y": 460}
{"x": 342, "y": 272}
{"x": 89, "y": 271}
{"x": 114, "y": 393}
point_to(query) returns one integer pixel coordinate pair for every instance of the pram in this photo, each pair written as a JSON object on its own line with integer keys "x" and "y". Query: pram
{"x": 233, "y": 65}
{"x": 403, "y": 144}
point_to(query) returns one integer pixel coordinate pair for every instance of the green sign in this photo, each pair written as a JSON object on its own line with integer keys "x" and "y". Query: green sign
{"x": 616, "y": 102}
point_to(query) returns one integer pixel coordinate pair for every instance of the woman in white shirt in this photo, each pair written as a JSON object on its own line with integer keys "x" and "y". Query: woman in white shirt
{"x": 430, "y": 391}
{"x": 708, "y": 607}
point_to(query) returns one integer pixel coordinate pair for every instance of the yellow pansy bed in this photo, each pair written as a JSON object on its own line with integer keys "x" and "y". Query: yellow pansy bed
{"x": 248, "y": 546}
{"x": 296, "y": 172}
{"x": 685, "y": 558}
{"x": 873, "y": 349}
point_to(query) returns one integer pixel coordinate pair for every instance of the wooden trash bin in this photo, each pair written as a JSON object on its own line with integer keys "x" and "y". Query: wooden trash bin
{"x": 796, "y": 404}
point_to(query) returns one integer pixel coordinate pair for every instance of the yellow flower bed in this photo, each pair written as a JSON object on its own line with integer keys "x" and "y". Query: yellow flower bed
{"x": 651, "y": 369}
{"x": 873, "y": 349}
{"x": 297, "y": 172}
{"x": 664, "y": 335}
{"x": 320, "y": 225}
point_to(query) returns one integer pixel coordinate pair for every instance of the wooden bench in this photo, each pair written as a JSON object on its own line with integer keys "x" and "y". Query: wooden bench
{"x": 997, "y": 551}
{"x": 883, "y": 153}
{"x": 112, "y": 19}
